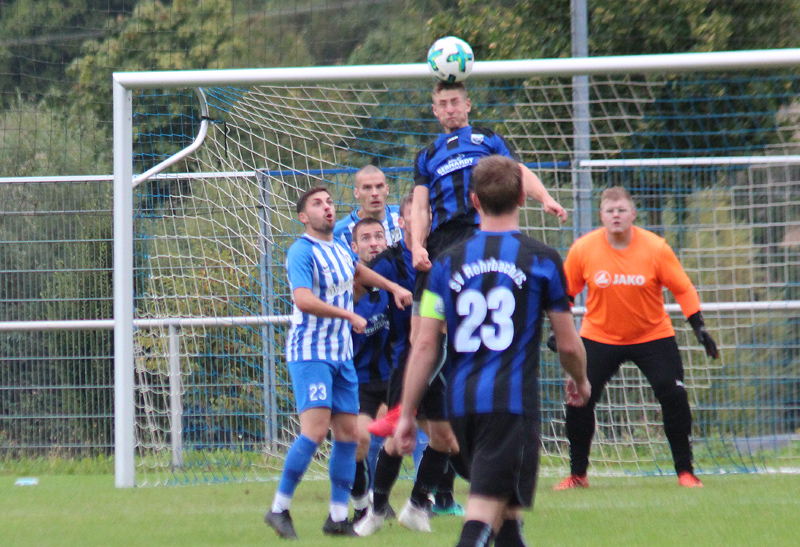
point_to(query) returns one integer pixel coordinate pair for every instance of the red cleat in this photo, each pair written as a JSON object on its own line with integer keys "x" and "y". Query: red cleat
{"x": 573, "y": 481}
{"x": 386, "y": 426}
{"x": 688, "y": 479}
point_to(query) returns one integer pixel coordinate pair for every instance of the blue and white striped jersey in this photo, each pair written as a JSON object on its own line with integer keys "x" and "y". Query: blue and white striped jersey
{"x": 344, "y": 227}
{"x": 327, "y": 268}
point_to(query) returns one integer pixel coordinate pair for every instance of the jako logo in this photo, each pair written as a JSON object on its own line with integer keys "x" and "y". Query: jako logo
{"x": 603, "y": 279}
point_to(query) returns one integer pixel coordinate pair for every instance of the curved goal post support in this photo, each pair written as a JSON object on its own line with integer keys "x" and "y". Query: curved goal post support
{"x": 208, "y": 165}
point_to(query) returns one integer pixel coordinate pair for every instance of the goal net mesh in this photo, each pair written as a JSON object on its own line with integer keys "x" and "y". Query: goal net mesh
{"x": 212, "y": 231}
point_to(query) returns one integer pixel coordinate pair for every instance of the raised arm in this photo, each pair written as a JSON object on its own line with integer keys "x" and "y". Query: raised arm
{"x": 366, "y": 277}
{"x": 420, "y": 227}
{"x": 536, "y": 190}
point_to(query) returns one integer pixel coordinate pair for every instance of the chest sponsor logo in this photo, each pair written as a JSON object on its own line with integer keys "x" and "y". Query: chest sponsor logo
{"x": 604, "y": 279}
{"x": 455, "y": 163}
{"x": 338, "y": 289}
{"x": 377, "y": 323}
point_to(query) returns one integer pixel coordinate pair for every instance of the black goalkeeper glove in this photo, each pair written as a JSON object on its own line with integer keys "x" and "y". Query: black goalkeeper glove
{"x": 551, "y": 342}
{"x": 699, "y": 328}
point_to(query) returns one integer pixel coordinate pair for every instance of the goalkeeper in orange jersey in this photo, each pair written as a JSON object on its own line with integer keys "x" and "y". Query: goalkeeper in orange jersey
{"x": 625, "y": 269}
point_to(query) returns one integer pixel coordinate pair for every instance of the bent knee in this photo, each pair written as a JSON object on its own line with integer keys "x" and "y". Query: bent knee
{"x": 671, "y": 391}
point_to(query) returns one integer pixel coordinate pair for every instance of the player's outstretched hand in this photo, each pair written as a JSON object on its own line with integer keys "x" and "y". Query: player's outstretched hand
{"x": 552, "y": 345}
{"x": 578, "y": 394}
{"x": 554, "y": 208}
{"x": 702, "y": 335}
{"x": 405, "y": 436}
{"x": 359, "y": 323}
{"x": 420, "y": 260}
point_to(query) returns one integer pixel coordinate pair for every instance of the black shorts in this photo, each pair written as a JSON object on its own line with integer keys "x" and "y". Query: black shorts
{"x": 432, "y": 405}
{"x": 501, "y": 451}
{"x": 441, "y": 238}
{"x": 659, "y": 361}
{"x": 371, "y": 396}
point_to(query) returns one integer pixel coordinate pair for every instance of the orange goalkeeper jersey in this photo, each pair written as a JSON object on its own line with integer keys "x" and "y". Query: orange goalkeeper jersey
{"x": 625, "y": 304}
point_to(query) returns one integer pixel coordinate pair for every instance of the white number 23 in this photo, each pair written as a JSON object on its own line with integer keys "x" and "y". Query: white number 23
{"x": 317, "y": 392}
{"x": 473, "y": 307}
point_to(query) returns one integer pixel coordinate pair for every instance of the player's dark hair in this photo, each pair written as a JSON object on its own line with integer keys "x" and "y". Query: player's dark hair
{"x": 301, "y": 203}
{"x": 447, "y": 86}
{"x": 497, "y": 181}
{"x": 363, "y": 223}
{"x": 616, "y": 193}
{"x": 405, "y": 203}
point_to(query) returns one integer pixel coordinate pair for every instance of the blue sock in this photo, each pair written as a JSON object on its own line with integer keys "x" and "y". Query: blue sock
{"x": 297, "y": 461}
{"x": 342, "y": 470}
{"x": 422, "y": 444}
{"x": 375, "y": 445}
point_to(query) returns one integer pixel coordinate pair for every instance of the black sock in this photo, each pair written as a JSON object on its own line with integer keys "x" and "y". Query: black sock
{"x": 444, "y": 490}
{"x": 387, "y": 469}
{"x": 678, "y": 427}
{"x": 475, "y": 534}
{"x": 510, "y": 534}
{"x": 431, "y": 468}
{"x": 460, "y": 465}
{"x": 361, "y": 481}
{"x": 580, "y": 430}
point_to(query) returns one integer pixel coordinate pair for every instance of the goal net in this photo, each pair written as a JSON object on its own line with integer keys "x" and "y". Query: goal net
{"x": 709, "y": 157}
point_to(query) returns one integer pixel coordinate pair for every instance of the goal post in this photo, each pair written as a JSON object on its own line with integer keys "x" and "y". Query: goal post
{"x": 199, "y": 245}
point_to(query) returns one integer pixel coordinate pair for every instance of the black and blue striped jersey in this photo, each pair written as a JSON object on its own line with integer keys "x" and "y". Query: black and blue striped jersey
{"x": 445, "y": 167}
{"x": 371, "y": 357}
{"x": 395, "y": 264}
{"x": 492, "y": 291}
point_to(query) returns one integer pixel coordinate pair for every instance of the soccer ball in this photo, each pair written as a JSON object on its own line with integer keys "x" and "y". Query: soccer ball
{"x": 450, "y": 59}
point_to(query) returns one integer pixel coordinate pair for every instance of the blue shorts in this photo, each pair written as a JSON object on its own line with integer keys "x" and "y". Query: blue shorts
{"x": 325, "y": 384}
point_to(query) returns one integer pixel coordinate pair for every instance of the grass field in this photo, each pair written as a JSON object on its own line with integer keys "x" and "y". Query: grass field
{"x": 87, "y": 510}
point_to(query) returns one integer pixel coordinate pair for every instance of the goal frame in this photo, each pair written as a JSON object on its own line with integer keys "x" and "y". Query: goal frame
{"x": 124, "y": 83}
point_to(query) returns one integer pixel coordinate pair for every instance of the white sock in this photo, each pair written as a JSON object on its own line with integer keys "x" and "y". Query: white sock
{"x": 281, "y": 503}
{"x": 338, "y": 512}
{"x": 361, "y": 503}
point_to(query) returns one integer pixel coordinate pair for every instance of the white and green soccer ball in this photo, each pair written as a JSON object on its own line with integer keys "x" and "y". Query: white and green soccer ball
{"x": 450, "y": 59}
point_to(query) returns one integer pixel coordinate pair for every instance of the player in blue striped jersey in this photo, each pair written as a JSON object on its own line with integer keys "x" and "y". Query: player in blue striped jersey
{"x": 372, "y": 357}
{"x": 319, "y": 356}
{"x": 491, "y": 292}
{"x": 372, "y": 360}
{"x": 371, "y": 192}
{"x": 443, "y": 213}
{"x": 395, "y": 263}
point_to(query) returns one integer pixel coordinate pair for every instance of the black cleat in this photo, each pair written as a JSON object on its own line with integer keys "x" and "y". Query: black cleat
{"x": 389, "y": 513}
{"x": 343, "y": 528}
{"x": 281, "y": 523}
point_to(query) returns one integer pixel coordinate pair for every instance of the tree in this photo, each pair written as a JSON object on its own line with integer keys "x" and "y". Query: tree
{"x": 181, "y": 36}
{"x": 41, "y": 37}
